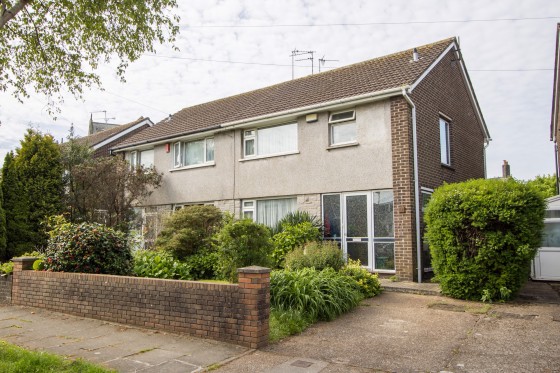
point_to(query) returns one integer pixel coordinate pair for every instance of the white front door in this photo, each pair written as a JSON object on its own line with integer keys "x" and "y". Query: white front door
{"x": 546, "y": 265}
{"x": 357, "y": 228}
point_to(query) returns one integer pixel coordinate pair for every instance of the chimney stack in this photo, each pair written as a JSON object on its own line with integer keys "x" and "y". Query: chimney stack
{"x": 506, "y": 172}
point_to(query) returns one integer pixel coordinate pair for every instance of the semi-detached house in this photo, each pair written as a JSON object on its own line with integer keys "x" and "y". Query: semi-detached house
{"x": 362, "y": 147}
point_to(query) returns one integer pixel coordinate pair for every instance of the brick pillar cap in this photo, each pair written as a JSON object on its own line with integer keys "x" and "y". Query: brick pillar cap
{"x": 253, "y": 269}
{"x": 25, "y": 259}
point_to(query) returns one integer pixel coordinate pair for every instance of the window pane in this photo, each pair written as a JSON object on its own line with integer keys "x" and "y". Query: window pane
{"x": 444, "y": 141}
{"x": 383, "y": 214}
{"x": 347, "y": 115}
{"x": 269, "y": 212}
{"x": 278, "y": 139}
{"x": 248, "y": 215}
{"x": 342, "y": 133}
{"x": 177, "y": 154}
{"x": 134, "y": 159}
{"x": 147, "y": 158}
{"x": 551, "y": 235}
{"x": 385, "y": 255}
{"x": 194, "y": 152}
{"x": 331, "y": 215}
{"x": 250, "y": 147}
{"x": 358, "y": 251}
{"x": 356, "y": 216}
{"x": 209, "y": 150}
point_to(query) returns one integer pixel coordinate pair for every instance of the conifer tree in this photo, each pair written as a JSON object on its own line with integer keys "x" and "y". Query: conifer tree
{"x": 16, "y": 208}
{"x": 2, "y": 228}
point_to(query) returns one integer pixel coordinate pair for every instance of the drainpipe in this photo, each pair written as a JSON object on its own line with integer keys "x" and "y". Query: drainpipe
{"x": 416, "y": 185}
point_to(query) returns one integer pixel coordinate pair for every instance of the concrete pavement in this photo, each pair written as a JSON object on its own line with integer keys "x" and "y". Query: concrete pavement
{"x": 123, "y": 348}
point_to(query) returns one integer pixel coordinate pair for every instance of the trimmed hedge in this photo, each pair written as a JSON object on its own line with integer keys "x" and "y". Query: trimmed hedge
{"x": 482, "y": 236}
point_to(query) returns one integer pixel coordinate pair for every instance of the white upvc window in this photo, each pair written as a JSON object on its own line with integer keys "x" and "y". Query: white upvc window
{"x": 147, "y": 158}
{"x": 268, "y": 211}
{"x": 342, "y": 126}
{"x": 270, "y": 140}
{"x": 133, "y": 159}
{"x": 444, "y": 142}
{"x": 192, "y": 153}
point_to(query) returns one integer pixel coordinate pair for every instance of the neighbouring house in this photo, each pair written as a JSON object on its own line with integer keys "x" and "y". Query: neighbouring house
{"x": 362, "y": 147}
{"x": 555, "y": 120}
{"x": 103, "y": 136}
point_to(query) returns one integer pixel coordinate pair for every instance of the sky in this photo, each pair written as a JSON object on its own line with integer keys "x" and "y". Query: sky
{"x": 233, "y": 46}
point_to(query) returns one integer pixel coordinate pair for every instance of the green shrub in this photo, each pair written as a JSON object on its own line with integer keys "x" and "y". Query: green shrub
{"x": 159, "y": 264}
{"x": 285, "y": 323}
{"x": 39, "y": 265}
{"x": 203, "y": 265}
{"x": 189, "y": 230}
{"x": 6, "y": 268}
{"x": 242, "y": 243}
{"x": 482, "y": 236}
{"x": 291, "y": 237}
{"x": 295, "y": 218}
{"x": 318, "y": 255}
{"x": 368, "y": 282}
{"x": 87, "y": 248}
{"x": 318, "y": 295}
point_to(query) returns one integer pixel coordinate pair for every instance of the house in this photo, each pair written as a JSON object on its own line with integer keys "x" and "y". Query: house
{"x": 362, "y": 147}
{"x": 555, "y": 120}
{"x": 103, "y": 136}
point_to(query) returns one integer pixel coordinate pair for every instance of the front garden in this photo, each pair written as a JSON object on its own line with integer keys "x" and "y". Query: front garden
{"x": 310, "y": 280}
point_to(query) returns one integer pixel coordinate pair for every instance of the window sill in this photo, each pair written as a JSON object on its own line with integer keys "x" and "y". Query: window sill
{"x": 443, "y": 165}
{"x": 345, "y": 145}
{"x": 268, "y": 156}
{"x": 207, "y": 164}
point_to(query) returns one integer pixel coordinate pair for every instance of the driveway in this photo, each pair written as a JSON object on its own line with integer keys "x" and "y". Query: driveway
{"x": 398, "y": 332}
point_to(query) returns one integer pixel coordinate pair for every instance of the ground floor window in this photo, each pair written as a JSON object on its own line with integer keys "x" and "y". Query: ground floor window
{"x": 363, "y": 224}
{"x": 268, "y": 211}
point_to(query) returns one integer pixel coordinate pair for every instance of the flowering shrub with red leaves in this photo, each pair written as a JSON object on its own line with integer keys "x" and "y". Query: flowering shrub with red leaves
{"x": 87, "y": 248}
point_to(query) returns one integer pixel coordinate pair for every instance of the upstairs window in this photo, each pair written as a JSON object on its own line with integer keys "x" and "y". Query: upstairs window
{"x": 133, "y": 159}
{"x": 444, "y": 142}
{"x": 147, "y": 158}
{"x": 270, "y": 140}
{"x": 343, "y": 127}
{"x": 192, "y": 153}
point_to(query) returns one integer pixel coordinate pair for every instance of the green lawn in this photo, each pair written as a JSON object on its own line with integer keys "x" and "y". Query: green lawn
{"x": 14, "y": 359}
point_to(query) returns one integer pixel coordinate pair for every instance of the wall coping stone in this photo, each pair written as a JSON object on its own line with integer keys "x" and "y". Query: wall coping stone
{"x": 25, "y": 259}
{"x": 253, "y": 269}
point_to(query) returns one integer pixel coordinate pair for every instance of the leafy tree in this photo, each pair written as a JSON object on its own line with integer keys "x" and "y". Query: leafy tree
{"x": 51, "y": 45}
{"x": 545, "y": 185}
{"x": 39, "y": 169}
{"x": 105, "y": 190}
{"x": 16, "y": 207}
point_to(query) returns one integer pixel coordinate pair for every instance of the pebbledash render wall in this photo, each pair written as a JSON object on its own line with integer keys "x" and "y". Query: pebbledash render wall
{"x": 236, "y": 313}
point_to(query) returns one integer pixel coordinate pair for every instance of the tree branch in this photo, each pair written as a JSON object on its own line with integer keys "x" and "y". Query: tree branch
{"x": 7, "y": 15}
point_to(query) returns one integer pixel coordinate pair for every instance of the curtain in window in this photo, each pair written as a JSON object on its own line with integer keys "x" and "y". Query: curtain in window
{"x": 147, "y": 158}
{"x": 278, "y": 139}
{"x": 269, "y": 212}
{"x": 194, "y": 152}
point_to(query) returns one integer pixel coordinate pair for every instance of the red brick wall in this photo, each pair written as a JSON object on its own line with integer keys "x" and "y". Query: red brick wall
{"x": 403, "y": 189}
{"x": 227, "y": 312}
{"x": 445, "y": 91}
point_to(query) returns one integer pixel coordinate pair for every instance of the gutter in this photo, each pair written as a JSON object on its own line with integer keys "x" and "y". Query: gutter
{"x": 416, "y": 185}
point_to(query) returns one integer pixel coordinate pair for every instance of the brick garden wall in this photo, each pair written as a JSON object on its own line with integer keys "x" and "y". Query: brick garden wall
{"x": 236, "y": 313}
{"x": 5, "y": 289}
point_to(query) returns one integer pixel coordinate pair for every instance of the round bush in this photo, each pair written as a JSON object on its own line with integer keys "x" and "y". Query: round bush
{"x": 189, "y": 230}
{"x": 159, "y": 264}
{"x": 242, "y": 243}
{"x": 368, "y": 282}
{"x": 87, "y": 248}
{"x": 482, "y": 236}
{"x": 291, "y": 237}
{"x": 318, "y": 255}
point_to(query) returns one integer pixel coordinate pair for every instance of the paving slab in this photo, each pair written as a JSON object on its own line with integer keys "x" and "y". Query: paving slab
{"x": 120, "y": 347}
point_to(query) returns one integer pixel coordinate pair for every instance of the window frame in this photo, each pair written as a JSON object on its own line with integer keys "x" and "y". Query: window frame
{"x": 342, "y": 123}
{"x": 254, "y": 136}
{"x": 253, "y": 207}
{"x": 180, "y": 146}
{"x": 445, "y": 124}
